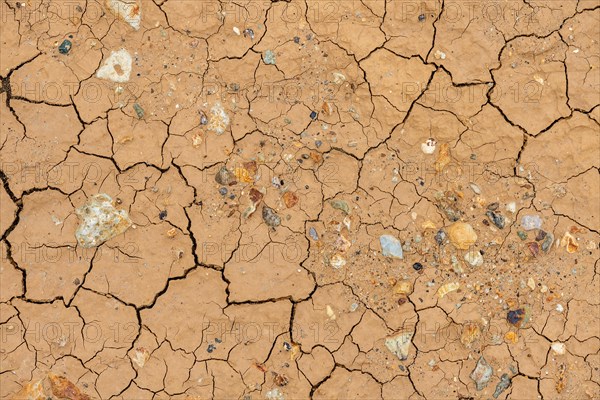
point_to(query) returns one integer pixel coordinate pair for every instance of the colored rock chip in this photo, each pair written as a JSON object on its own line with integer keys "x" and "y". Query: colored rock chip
{"x": 497, "y": 218}
{"x": 139, "y": 111}
{"x": 270, "y": 217}
{"x": 482, "y": 374}
{"x": 440, "y": 236}
{"x": 248, "y": 32}
{"x": 224, "y": 177}
{"x": 547, "y": 243}
{"x": 269, "y": 57}
{"x": 340, "y": 205}
{"x": 390, "y": 246}
{"x": 504, "y": 384}
{"x": 515, "y": 317}
{"x": 65, "y": 47}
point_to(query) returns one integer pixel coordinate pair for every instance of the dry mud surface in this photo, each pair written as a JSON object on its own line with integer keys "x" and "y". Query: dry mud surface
{"x": 300, "y": 199}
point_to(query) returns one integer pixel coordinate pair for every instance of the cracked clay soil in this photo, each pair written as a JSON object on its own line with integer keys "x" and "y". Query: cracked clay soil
{"x": 300, "y": 199}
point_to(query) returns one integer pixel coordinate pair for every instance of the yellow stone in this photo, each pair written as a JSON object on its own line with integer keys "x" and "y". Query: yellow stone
{"x": 462, "y": 235}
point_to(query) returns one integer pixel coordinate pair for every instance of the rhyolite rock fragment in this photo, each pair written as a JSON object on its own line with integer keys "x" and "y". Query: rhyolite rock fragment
{"x": 482, "y": 373}
{"x": 390, "y": 246}
{"x": 117, "y": 67}
{"x": 100, "y": 221}
{"x": 399, "y": 344}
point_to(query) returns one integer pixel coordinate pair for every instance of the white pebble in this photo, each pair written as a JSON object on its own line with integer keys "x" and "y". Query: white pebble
{"x": 558, "y": 348}
{"x": 429, "y": 146}
{"x": 440, "y": 55}
{"x": 511, "y": 207}
{"x": 474, "y": 258}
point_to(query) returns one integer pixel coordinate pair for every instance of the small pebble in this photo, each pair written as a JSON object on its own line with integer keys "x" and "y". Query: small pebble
{"x": 511, "y": 207}
{"x": 139, "y": 111}
{"x": 522, "y": 235}
{"x": 515, "y": 317}
{"x": 224, "y": 176}
{"x": 223, "y": 191}
{"x": 422, "y": 18}
{"x": 270, "y": 217}
{"x": 530, "y": 222}
{"x": 65, "y": 47}
{"x": 440, "y": 236}
{"x": 340, "y": 205}
{"x": 482, "y": 374}
{"x": 417, "y": 266}
{"x": 276, "y": 182}
{"x": 474, "y": 258}
{"x": 429, "y": 146}
{"x": 497, "y": 218}
{"x": 249, "y": 33}
{"x": 337, "y": 261}
{"x": 504, "y": 384}
{"x": 269, "y": 57}
{"x": 558, "y": 348}
{"x": 318, "y": 143}
{"x": 296, "y": 39}
{"x": 203, "y": 119}
{"x": 547, "y": 243}
{"x": 313, "y": 234}
{"x": 313, "y": 115}
{"x": 493, "y": 206}
{"x": 462, "y": 235}
{"x": 534, "y": 248}
{"x": 162, "y": 215}
{"x": 390, "y": 246}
